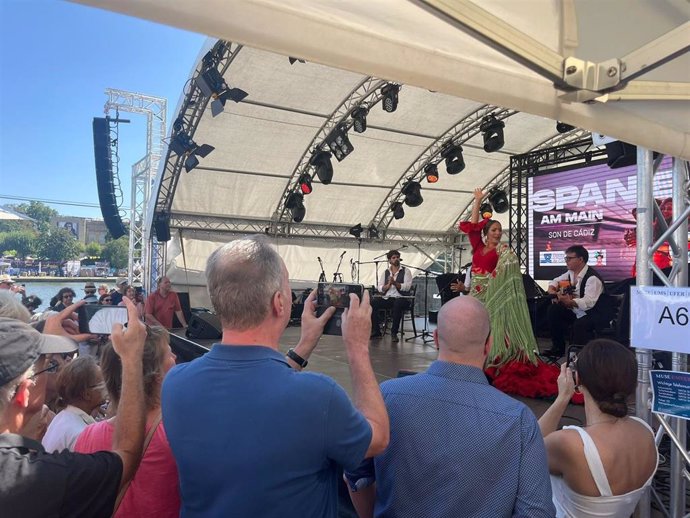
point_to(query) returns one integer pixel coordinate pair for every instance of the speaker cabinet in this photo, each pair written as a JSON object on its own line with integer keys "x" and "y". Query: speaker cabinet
{"x": 161, "y": 226}
{"x": 104, "y": 178}
{"x": 204, "y": 326}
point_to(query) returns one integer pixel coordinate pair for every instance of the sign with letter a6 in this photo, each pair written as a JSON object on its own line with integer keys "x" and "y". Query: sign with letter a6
{"x": 660, "y": 318}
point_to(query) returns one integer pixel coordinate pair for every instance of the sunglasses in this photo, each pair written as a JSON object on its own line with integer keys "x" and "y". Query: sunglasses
{"x": 107, "y": 300}
{"x": 52, "y": 367}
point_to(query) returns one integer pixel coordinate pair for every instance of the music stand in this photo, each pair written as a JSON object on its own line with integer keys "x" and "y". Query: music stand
{"x": 424, "y": 334}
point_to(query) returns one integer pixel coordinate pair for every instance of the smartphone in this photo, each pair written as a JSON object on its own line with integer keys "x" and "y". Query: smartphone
{"x": 337, "y": 295}
{"x": 571, "y": 356}
{"x": 99, "y": 319}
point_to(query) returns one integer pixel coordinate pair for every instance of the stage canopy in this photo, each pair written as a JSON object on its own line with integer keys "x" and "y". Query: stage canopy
{"x": 529, "y": 63}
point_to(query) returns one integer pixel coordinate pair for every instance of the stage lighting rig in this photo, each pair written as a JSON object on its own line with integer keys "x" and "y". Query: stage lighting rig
{"x": 452, "y": 154}
{"x": 492, "y": 130}
{"x": 373, "y": 232}
{"x": 183, "y": 145}
{"x": 390, "y": 97}
{"x": 321, "y": 162}
{"x": 359, "y": 117}
{"x": 339, "y": 143}
{"x": 431, "y": 173}
{"x": 485, "y": 210}
{"x": 412, "y": 192}
{"x": 212, "y": 84}
{"x": 295, "y": 203}
{"x": 562, "y": 127}
{"x": 295, "y": 60}
{"x": 356, "y": 231}
{"x": 398, "y": 210}
{"x": 498, "y": 200}
{"x": 305, "y": 184}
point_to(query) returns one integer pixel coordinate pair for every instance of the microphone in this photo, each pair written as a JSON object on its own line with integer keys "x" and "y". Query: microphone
{"x": 318, "y": 258}
{"x": 341, "y": 255}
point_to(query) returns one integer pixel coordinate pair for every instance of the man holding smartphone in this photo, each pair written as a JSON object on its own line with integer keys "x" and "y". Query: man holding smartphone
{"x": 394, "y": 283}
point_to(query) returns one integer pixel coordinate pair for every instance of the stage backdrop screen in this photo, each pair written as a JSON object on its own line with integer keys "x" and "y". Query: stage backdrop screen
{"x": 591, "y": 205}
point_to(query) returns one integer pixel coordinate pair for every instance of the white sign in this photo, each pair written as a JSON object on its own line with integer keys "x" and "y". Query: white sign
{"x": 660, "y": 318}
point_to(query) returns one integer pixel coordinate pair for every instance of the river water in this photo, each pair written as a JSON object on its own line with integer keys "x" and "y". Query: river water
{"x": 47, "y": 290}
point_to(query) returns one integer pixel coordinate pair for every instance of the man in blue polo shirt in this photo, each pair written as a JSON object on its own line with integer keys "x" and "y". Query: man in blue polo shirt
{"x": 252, "y": 435}
{"x": 459, "y": 447}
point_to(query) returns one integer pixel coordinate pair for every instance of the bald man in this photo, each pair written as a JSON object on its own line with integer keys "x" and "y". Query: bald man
{"x": 458, "y": 447}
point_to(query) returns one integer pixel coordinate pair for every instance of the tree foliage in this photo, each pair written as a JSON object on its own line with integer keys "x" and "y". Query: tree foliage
{"x": 59, "y": 245}
{"x": 117, "y": 252}
{"x": 93, "y": 249}
{"x": 23, "y": 242}
{"x": 41, "y": 212}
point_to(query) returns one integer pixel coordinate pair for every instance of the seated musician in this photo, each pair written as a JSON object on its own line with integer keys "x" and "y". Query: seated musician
{"x": 394, "y": 283}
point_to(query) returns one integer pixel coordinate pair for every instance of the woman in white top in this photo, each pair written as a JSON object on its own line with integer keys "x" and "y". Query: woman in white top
{"x": 81, "y": 390}
{"x": 601, "y": 469}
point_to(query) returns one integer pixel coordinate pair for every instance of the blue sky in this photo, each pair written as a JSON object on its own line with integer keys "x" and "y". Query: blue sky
{"x": 56, "y": 60}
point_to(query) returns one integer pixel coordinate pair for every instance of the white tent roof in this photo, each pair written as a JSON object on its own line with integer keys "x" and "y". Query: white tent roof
{"x": 450, "y": 80}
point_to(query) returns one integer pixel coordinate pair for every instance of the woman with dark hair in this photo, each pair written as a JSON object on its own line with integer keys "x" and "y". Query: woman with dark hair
{"x": 133, "y": 295}
{"x": 104, "y": 300}
{"x": 80, "y": 391}
{"x": 63, "y": 299}
{"x": 154, "y": 491}
{"x": 497, "y": 283}
{"x": 601, "y": 469}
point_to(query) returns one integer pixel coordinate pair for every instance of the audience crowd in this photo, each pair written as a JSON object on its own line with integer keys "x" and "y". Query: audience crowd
{"x": 108, "y": 425}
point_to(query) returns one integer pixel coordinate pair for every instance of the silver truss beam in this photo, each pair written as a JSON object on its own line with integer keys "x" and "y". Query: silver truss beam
{"x": 142, "y": 254}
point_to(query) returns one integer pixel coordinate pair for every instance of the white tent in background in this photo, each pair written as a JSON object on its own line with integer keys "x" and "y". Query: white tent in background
{"x": 10, "y": 215}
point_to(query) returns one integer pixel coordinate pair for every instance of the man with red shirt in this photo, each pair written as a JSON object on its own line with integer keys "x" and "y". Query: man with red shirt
{"x": 162, "y": 304}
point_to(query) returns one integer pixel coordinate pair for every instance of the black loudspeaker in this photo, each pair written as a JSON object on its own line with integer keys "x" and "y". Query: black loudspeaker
{"x": 204, "y": 326}
{"x": 186, "y": 309}
{"x": 620, "y": 154}
{"x": 161, "y": 226}
{"x": 104, "y": 178}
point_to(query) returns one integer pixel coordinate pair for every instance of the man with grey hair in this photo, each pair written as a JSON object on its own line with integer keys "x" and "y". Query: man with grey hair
{"x": 251, "y": 434}
{"x": 34, "y": 483}
{"x": 467, "y": 449}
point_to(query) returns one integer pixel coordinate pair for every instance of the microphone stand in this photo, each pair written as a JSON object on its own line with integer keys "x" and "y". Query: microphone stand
{"x": 322, "y": 276}
{"x": 424, "y": 334}
{"x": 337, "y": 276}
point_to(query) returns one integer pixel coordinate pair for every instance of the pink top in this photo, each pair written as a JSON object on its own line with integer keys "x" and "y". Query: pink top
{"x": 481, "y": 262}
{"x": 154, "y": 491}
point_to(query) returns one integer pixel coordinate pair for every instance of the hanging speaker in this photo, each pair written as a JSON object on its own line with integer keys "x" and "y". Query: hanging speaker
{"x": 104, "y": 178}
{"x": 161, "y": 226}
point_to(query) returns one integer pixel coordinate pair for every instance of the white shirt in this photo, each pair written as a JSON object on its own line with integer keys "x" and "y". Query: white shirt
{"x": 593, "y": 290}
{"x": 64, "y": 429}
{"x": 393, "y": 291}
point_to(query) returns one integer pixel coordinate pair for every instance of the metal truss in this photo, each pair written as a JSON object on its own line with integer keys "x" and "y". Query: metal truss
{"x": 458, "y": 134}
{"x": 143, "y": 173}
{"x": 366, "y": 94}
{"x": 219, "y": 225}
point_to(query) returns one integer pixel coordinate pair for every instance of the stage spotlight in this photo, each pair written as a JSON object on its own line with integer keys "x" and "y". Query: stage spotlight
{"x": 182, "y": 144}
{"x": 305, "y": 184}
{"x": 431, "y": 173}
{"x": 562, "y": 127}
{"x": 412, "y": 192}
{"x": 339, "y": 144}
{"x": 620, "y": 154}
{"x": 373, "y": 232}
{"x": 398, "y": 210}
{"x": 356, "y": 231}
{"x": 492, "y": 130}
{"x": 321, "y": 161}
{"x": 295, "y": 203}
{"x": 212, "y": 84}
{"x": 390, "y": 97}
{"x": 295, "y": 60}
{"x": 359, "y": 116}
{"x": 455, "y": 162}
{"x": 498, "y": 200}
{"x": 485, "y": 211}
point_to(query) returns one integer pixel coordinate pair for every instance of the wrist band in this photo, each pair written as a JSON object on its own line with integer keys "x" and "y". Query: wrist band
{"x": 297, "y": 358}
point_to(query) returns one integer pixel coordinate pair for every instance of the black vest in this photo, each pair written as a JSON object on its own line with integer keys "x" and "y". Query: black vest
{"x": 600, "y": 307}
{"x": 399, "y": 277}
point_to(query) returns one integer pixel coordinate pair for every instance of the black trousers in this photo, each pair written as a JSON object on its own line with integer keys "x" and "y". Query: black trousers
{"x": 398, "y": 306}
{"x": 561, "y": 319}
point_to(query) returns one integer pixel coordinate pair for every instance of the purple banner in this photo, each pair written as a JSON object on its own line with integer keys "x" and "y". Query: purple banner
{"x": 593, "y": 206}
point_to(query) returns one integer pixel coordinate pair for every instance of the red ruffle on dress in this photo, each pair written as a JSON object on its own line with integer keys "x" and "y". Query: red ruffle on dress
{"x": 481, "y": 262}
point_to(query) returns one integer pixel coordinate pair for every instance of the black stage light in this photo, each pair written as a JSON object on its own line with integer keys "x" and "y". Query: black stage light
{"x": 359, "y": 116}
{"x": 412, "y": 192}
{"x": 321, "y": 161}
{"x": 498, "y": 200}
{"x": 212, "y": 84}
{"x": 305, "y": 184}
{"x": 398, "y": 210}
{"x": 339, "y": 144}
{"x": 298, "y": 214}
{"x": 178, "y": 125}
{"x": 562, "y": 127}
{"x": 182, "y": 144}
{"x": 455, "y": 162}
{"x": 620, "y": 154}
{"x": 492, "y": 130}
{"x": 295, "y": 60}
{"x": 373, "y": 232}
{"x": 295, "y": 203}
{"x": 431, "y": 173}
{"x": 356, "y": 231}
{"x": 485, "y": 211}
{"x": 390, "y": 97}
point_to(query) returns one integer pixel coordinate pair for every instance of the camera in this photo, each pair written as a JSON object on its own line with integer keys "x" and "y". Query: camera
{"x": 337, "y": 295}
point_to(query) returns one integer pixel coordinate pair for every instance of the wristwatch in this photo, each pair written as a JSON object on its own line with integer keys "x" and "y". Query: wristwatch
{"x": 297, "y": 358}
